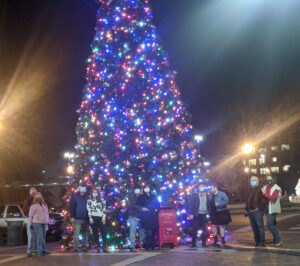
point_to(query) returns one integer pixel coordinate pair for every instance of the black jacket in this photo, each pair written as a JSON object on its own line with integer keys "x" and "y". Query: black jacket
{"x": 149, "y": 219}
{"x": 134, "y": 210}
{"x": 194, "y": 204}
{"x": 256, "y": 199}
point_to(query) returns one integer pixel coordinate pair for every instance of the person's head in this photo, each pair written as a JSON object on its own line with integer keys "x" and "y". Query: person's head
{"x": 269, "y": 180}
{"x": 201, "y": 187}
{"x": 32, "y": 191}
{"x": 147, "y": 189}
{"x": 254, "y": 182}
{"x": 95, "y": 193}
{"x": 82, "y": 190}
{"x": 214, "y": 188}
{"x": 38, "y": 198}
{"x": 137, "y": 191}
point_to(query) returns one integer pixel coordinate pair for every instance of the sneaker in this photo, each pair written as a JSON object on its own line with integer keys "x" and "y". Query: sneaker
{"x": 204, "y": 244}
{"x": 223, "y": 240}
{"x": 28, "y": 255}
{"x": 215, "y": 240}
{"x": 75, "y": 251}
{"x": 46, "y": 252}
{"x": 256, "y": 244}
{"x": 40, "y": 254}
{"x": 279, "y": 244}
{"x": 85, "y": 250}
{"x": 132, "y": 249}
{"x": 261, "y": 245}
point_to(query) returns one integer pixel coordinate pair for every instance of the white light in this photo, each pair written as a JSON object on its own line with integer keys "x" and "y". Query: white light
{"x": 206, "y": 163}
{"x": 198, "y": 138}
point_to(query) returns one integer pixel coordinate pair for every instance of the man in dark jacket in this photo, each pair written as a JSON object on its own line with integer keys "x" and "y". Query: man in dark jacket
{"x": 255, "y": 206}
{"x": 198, "y": 210}
{"x": 79, "y": 217}
{"x": 134, "y": 211}
{"x": 31, "y": 237}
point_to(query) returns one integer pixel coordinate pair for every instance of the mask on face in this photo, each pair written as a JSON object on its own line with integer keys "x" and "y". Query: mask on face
{"x": 95, "y": 195}
{"x": 253, "y": 183}
{"x": 201, "y": 189}
{"x": 137, "y": 191}
{"x": 147, "y": 190}
{"x": 39, "y": 200}
{"x": 83, "y": 189}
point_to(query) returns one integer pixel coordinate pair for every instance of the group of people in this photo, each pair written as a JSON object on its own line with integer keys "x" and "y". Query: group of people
{"x": 260, "y": 201}
{"x": 36, "y": 209}
{"x": 204, "y": 206}
{"x": 88, "y": 210}
{"x": 143, "y": 207}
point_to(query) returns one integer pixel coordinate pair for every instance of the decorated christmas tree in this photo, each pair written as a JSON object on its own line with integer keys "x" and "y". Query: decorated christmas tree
{"x": 133, "y": 128}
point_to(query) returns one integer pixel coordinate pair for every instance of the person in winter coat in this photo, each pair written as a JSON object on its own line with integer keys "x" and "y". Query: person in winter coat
{"x": 219, "y": 213}
{"x": 149, "y": 219}
{"x": 39, "y": 220}
{"x": 273, "y": 193}
{"x": 198, "y": 211}
{"x": 134, "y": 211}
{"x": 255, "y": 207}
{"x": 80, "y": 219}
{"x": 96, "y": 207}
{"x": 31, "y": 237}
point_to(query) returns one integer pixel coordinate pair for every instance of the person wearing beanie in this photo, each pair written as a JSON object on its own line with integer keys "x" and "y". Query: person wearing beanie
{"x": 39, "y": 220}
{"x": 31, "y": 237}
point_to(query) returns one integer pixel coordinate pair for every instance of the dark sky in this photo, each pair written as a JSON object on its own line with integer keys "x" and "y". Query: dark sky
{"x": 238, "y": 67}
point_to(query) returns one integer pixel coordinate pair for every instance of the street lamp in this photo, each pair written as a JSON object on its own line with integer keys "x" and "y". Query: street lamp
{"x": 248, "y": 148}
{"x": 198, "y": 138}
{"x": 70, "y": 169}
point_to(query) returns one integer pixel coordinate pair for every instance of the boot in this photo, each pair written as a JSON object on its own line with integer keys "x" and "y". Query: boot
{"x": 223, "y": 240}
{"x": 215, "y": 240}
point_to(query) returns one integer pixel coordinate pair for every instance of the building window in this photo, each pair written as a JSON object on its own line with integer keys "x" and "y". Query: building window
{"x": 254, "y": 171}
{"x": 262, "y": 160}
{"x": 262, "y": 150}
{"x": 263, "y": 171}
{"x": 285, "y": 147}
{"x": 286, "y": 168}
{"x": 274, "y": 159}
{"x": 252, "y": 162}
{"x": 274, "y": 148}
{"x": 275, "y": 169}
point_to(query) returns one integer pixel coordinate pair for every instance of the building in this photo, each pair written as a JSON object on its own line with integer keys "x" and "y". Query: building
{"x": 279, "y": 158}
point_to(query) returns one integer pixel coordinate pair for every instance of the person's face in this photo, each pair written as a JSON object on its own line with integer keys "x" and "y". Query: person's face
{"x": 269, "y": 180}
{"x": 147, "y": 189}
{"x": 137, "y": 191}
{"x": 214, "y": 189}
{"x": 82, "y": 191}
{"x": 39, "y": 200}
{"x": 254, "y": 182}
{"x": 202, "y": 188}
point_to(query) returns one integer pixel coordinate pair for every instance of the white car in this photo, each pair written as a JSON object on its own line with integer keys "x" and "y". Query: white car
{"x": 11, "y": 212}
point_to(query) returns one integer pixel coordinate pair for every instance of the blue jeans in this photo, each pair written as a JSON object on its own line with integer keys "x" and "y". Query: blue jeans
{"x": 82, "y": 225}
{"x": 272, "y": 225}
{"x": 31, "y": 239}
{"x": 133, "y": 222}
{"x": 40, "y": 231}
{"x": 257, "y": 223}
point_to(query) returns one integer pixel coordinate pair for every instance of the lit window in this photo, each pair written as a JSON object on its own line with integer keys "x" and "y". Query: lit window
{"x": 263, "y": 171}
{"x": 286, "y": 168}
{"x": 275, "y": 169}
{"x": 252, "y": 162}
{"x": 274, "y": 148}
{"x": 262, "y": 160}
{"x": 274, "y": 159}
{"x": 254, "y": 171}
{"x": 262, "y": 150}
{"x": 285, "y": 147}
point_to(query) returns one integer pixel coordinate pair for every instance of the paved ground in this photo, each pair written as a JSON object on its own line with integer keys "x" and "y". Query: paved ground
{"x": 238, "y": 251}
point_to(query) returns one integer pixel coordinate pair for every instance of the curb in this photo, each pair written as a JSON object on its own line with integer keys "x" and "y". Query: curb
{"x": 285, "y": 251}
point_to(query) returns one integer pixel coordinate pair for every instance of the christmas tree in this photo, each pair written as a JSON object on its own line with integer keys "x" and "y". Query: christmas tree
{"x": 133, "y": 127}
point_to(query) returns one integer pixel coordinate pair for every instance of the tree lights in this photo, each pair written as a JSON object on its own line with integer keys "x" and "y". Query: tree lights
{"x": 132, "y": 126}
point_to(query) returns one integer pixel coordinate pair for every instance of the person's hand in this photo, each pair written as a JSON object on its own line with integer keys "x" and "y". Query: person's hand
{"x": 217, "y": 204}
{"x": 31, "y": 227}
{"x": 145, "y": 209}
{"x": 72, "y": 220}
{"x": 123, "y": 210}
{"x": 91, "y": 221}
{"x": 191, "y": 217}
{"x": 103, "y": 220}
{"x": 263, "y": 190}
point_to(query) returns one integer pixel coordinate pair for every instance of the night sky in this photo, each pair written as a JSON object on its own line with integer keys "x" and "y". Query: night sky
{"x": 238, "y": 64}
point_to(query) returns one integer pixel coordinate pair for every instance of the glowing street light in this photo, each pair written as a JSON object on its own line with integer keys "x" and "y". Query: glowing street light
{"x": 70, "y": 169}
{"x": 198, "y": 138}
{"x": 246, "y": 169}
{"x": 248, "y": 148}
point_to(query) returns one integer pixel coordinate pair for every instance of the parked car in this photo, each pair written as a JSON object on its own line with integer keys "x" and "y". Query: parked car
{"x": 13, "y": 211}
